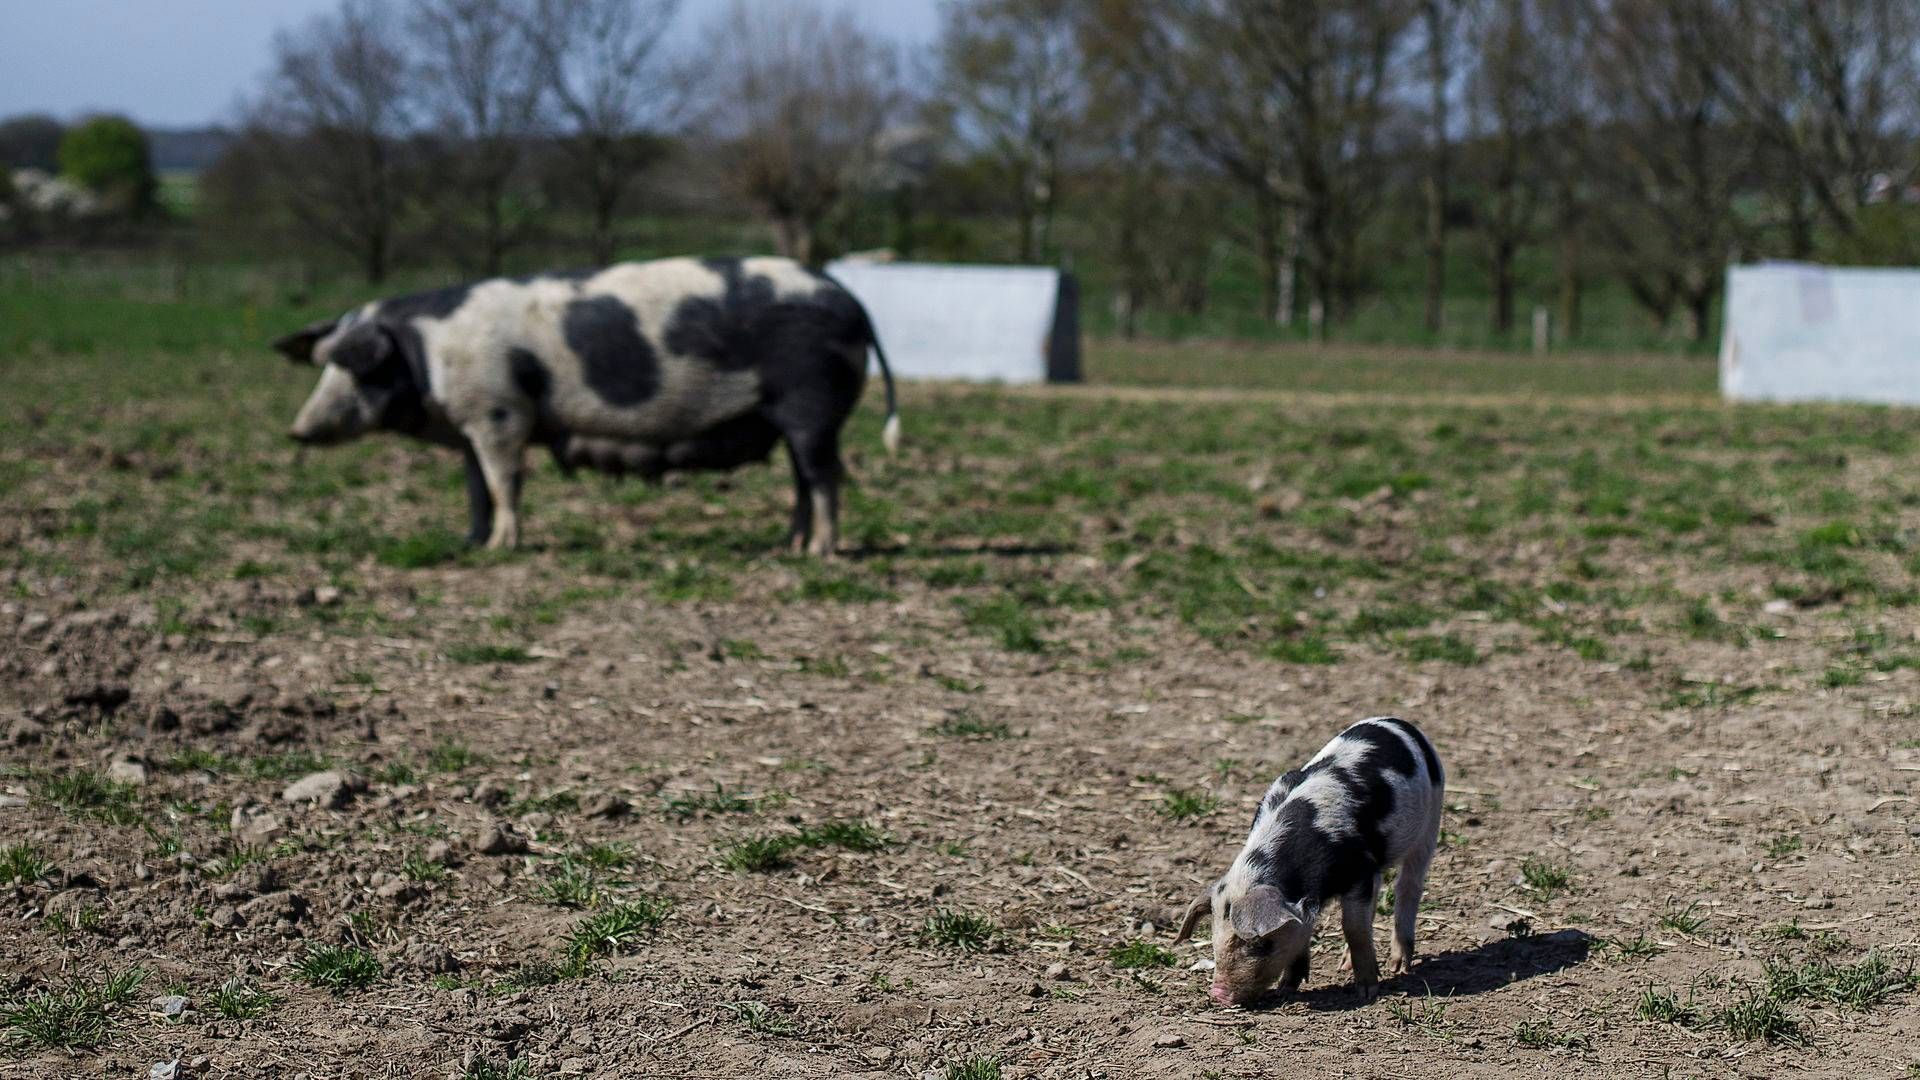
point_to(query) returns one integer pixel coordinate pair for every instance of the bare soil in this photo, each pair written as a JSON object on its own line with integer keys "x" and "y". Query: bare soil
{"x": 1779, "y": 825}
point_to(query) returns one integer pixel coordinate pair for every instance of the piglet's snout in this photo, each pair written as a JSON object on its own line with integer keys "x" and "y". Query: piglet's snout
{"x": 1220, "y": 994}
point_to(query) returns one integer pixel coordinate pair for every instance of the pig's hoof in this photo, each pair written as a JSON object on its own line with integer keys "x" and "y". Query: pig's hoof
{"x": 1368, "y": 991}
{"x": 1399, "y": 965}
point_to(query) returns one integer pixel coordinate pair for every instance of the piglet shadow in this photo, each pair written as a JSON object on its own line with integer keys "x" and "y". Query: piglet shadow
{"x": 1462, "y": 972}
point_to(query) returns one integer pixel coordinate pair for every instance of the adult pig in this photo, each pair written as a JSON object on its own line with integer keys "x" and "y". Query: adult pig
{"x": 646, "y": 367}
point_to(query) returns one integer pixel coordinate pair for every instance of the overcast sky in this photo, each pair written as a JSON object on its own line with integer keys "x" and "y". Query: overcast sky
{"x": 181, "y": 63}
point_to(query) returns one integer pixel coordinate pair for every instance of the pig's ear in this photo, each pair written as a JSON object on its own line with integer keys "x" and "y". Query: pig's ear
{"x": 362, "y": 349}
{"x": 1261, "y": 913}
{"x": 298, "y": 346}
{"x": 1201, "y": 906}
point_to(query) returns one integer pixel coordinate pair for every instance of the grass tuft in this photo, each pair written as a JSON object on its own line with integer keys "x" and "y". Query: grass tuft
{"x": 1187, "y": 805}
{"x": 339, "y": 968}
{"x": 961, "y": 930}
{"x": 22, "y": 864}
{"x": 973, "y": 1068}
{"x": 618, "y": 929}
{"x": 1141, "y": 954}
{"x": 239, "y": 1000}
{"x": 75, "y": 1018}
{"x": 1543, "y": 877}
{"x": 760, "y": 1018}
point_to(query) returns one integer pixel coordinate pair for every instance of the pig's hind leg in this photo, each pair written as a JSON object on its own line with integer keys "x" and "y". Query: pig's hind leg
{"x": 1356, "y": 925}
{"x": 1407, "y": 887}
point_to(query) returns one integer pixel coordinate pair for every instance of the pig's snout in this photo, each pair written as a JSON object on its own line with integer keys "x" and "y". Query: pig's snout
{"x": 1220, "y": 994}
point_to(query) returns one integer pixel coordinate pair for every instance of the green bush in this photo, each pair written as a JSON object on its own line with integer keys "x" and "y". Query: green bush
{"x": 109, "y": 154}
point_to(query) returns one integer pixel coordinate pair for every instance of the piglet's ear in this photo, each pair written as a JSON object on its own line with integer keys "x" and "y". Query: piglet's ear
{"x": 298, "y": 346}
{"x": 1261, "y": 913}
{"x": 1201, "y": 906}
{"x": 362, "y": 349}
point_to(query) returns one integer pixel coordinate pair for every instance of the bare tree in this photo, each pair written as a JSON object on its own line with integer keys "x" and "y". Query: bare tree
{"x": 614, "y": 93}
{"x": 1012, "y": 70}
{"x": 1827, "y": 83}
{"x": 1290, "y": 99}
{"x": 330, "y": 122}
{"x": 480, "y": 88}
{"x": 1510, "y": 110}
{"x": 799, "y": 103}
{"x": 1440, "y": 26}
{"x": 1672, "y": 158}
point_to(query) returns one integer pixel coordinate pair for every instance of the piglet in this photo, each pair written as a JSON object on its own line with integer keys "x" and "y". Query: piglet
{"x": 1368, "y": 800}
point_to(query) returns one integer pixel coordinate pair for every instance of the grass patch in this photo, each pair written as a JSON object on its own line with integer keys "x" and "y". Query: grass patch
{"x": 1007, "y": 621}
{"x": 973, "y": 1068}
{"x": 1858, "y": 986}
{"x": 760, "y": 854}
{"x": 1187, "y": 805}
{"x": 1686, "y": 920}
{"x": 968, "y": 726}
{"x": 1141, "y": 954}
{"x": 962, "y": 930}
{"x": 1665, "y": 1006}
{"x": 339, "y": 968}
{"x": 237, "y": 999}
{"x": 75, "y": 1018}
{"x": 573, "y": 884}
{"x": 1448, "y": 647}
{"x": 760, "y": 1018}
{"x": 87, "y": 794}
{"x": 22, "y": 864}
{"x": 1543, "y": 877}
{"x": 448, "y": 756}
{"x": 618, "y": 929}
{"x": 1758, "y": 1016}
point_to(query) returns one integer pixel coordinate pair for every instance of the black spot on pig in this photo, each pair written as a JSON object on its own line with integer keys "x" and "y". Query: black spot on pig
{"x": 530, "y": 376}
{"x": 740, "y": 441}
{"x": 1419, "y": 739}
{"x": 616, "y": 362}
{"x": 1384, "y": 749}
{"x": 434, "y": 304}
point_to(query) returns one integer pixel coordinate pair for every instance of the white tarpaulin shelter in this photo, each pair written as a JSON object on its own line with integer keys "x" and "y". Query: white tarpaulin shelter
{"x": 1798, "y": 332}
{"x": 1011, "y": 324}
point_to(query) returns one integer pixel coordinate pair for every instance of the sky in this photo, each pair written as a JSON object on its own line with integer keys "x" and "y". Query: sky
{"x": 185, "y": 63}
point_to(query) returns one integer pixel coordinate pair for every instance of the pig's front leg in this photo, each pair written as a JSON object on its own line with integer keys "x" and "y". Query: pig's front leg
{"x": 479, "y": 500}
{"x": 498, "y": 446}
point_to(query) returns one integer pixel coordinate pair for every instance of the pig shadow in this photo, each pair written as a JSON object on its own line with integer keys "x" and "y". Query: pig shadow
{"x": 954, "y": 551}
{"x": 1460, "y": 973}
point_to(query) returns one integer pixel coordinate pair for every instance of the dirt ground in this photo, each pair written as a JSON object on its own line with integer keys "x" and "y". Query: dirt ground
{"x": 1608, "y": 838}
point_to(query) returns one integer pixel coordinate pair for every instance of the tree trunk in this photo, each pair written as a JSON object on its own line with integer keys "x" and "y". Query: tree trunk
{"x": 1435, "y": 186}
{"x": 1271, "y": 259}
{"x": 1289, "y": 268}
{"x": 1503, "y": 285}
{"x": 1699, "y": 314}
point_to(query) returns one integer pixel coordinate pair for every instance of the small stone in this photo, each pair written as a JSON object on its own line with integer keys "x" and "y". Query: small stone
{"x": 328, "y": 789}
{"x": 1169, "y": 1041}
{"x": 1059, "y": 973}
{"x": 225, "y": 917}
{"x": 326, "y": 596}
{"x": 173, "y": 1005}
{"x": 439, "y": 852}
{"x": 1777, "y": 607}
{"x": 164, "y": 1070}
{"x": 127, "y": 771}
{"x": 399, "y": 890}
{"x": 878, "y": 1055}
{"x": 499, "y": 840}
{"x": 1146, "y": 929}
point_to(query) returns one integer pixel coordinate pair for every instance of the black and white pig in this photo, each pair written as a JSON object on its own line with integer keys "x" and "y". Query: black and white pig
{"x": 643, "y": 367}
{"x": 1368, "y": 800}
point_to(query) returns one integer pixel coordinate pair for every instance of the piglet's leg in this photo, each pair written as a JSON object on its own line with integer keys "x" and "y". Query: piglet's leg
{"x": 1406, "y": 908}
{"x": 1356, "y": 924}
